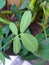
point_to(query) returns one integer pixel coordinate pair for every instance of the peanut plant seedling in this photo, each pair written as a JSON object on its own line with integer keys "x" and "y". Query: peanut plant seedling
{"x": 18, "y": 33}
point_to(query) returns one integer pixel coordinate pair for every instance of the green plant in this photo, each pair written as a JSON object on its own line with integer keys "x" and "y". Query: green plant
{"x": 18, "y": 33}
{"x": 30, "y": 43}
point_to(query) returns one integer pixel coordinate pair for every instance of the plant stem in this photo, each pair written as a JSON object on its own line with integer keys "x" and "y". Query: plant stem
{"x": 33, "y": 18}
{"x": 45, "y": 32}
{"x": 6, "y": 12}
{"x": 43, "y": 27}
{"x": 6, "y": 44}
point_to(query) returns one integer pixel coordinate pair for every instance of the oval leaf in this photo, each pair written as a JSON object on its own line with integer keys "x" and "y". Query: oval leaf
{"x": 29, "y": 42}
{"x": 16, "y": 45}
{"x": 25, "y": 21}
{"x": 2, "y": 3}
{"x": 43, "y": 51}
{"x": 2, "y": 58}
{"x": 13, "y": 28}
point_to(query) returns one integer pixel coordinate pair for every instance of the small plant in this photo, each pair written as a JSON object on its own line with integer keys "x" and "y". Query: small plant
{"x": 19, "y": 35}
{"x": 27, "y": 39}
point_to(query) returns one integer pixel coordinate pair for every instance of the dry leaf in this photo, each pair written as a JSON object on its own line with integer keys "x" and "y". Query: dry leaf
{"x": 17, "y": 2}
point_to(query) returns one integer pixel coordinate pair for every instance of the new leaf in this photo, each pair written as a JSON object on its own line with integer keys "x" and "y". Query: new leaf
{"x": 29, "y": 42}
{"x": 16, "y": 45}
{"x": 13, "y": 28}
{"x": 25, "y": 21}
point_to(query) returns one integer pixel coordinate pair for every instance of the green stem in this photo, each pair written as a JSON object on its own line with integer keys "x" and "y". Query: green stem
{"x": 44, "y": 29}
{"x": 6, "y": 44}
{"x": 6, "y": 12}
{"x": 45, "y": 32}
{"x": 43, "y": 9}
{"x": 46, "y": 19}
{"x": 33, "y": 18}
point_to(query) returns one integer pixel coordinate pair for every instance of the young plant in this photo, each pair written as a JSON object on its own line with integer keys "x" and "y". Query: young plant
{"x": 29, "y": 41}
{"x": 24, "y": 43}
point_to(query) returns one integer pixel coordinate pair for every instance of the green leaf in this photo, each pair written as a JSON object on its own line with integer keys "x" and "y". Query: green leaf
{"x": 6, "y": 40}
{"x": 39, "y": 36}
{"x": 47, "y": 1}
{"x": 43, "y": 50}
{"x": 2, "y": 58}
{"x": 32, "y": 2}
{"x": 41, "y": 62}
{"x": 25, "y": 51}
{"x": 29, "y": 42}
{"x": 16, "y": 11}
{"x": 25, "y": 4}
{"x": 0, "y": 31}
{"x": 5, "y": 21}
{"x": 31, "y": 5}
{"x": 2, "y": 3}
{"x": 16, "y": 45}
{"x": 25, "y": 21}
{"x": 5, "y": 30}
{"x": 13, "y": 28}
{"x": 28, "y": 57}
